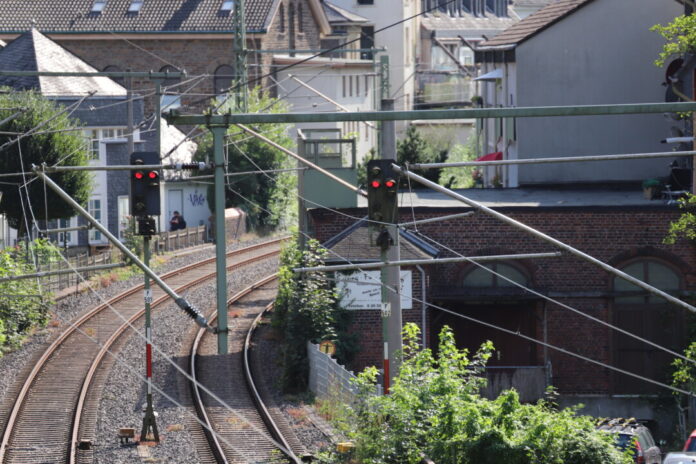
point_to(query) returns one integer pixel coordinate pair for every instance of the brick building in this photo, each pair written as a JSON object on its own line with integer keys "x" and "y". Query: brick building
{"x": 161, "y": 35}
{"x": 618, "y": 227}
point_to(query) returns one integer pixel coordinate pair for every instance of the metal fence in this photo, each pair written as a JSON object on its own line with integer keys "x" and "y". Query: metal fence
{"x": 330, "y": 380}
{"x": 54, "y": 283}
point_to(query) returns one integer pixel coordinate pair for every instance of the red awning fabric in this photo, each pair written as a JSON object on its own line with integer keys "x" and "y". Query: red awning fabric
{"x": 497, "y": 156}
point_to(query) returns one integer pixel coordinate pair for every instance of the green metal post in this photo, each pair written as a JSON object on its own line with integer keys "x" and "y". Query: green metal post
{"x": 240, "y": 53}
{"x": 220, "y": 251}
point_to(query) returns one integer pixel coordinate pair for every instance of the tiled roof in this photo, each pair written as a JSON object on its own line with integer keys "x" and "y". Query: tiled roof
{"x": 533, "y": 24}
{"x": 532, "y": 3}
{"x": 337, "y": 14}
{"x": 353, "y": 244}
{"x": 468, "y": 23}
{"x": 33, "y": 51}
{"x": 53, "y": 16}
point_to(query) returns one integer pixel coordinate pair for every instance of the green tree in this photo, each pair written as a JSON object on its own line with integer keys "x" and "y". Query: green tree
{"x": 434, "y": 409}
{"x": 264, "y": 197}
{"x": 54, "y": 143}
{"x": 460, "y": 177}
{"x": 306, "y": 309}
{"x": 414, "y": 148}
{"x": 680, "y": 35}
{"x": 685, "y": 226}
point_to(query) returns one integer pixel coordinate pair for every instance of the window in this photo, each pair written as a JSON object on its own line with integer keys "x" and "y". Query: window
{"x": 479, "y": 277}
{"x": 170, "y": 99}
{"x": 65, "y": 238}
{"x": 648, "y": 316}
{"x": 365, "y": 2}
{"x": 300, "y": 18}
{"x": 367, "y": 41}
{"x": 123, "y": 213}
{"x": 281, "y": 14}
{"x": 227, "y": 6}
{"x": 343, "y": 78}
{"x": 98, "y": 6}
{"x": 95, "y": 209}
{"x": 135, "y": 6}
{"x": 223, "y": 79}
{"x": 357, "y": 86}
{"x": 94, "y": 138}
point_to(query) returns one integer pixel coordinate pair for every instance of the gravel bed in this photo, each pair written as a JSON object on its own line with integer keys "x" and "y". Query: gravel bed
{"x": 124, "y": 394}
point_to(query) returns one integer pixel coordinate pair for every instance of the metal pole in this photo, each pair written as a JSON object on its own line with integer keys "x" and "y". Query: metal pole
{"x": 547, "y": 238}
{"x": 220, "y": 243}
{"x": 180, "y": 301}
{"x": 515, "y": 112}
{"x": 149, "y": 417}
{"x": 421, "y": 262}
{"x": 240, "y": 53}
{"x": 302, "y": 206}
{"x": 390, "y": 275}
{"x": 570, "y": 159}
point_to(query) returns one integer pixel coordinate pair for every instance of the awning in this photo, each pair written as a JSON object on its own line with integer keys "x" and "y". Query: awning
{"x": 497, "y": 156}
{"x": 491, "y": 76}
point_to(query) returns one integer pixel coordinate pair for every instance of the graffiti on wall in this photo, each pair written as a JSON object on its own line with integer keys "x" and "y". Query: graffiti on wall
{"x": 196, "y": 199}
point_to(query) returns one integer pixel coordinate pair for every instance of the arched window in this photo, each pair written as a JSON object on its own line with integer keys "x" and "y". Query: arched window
{"x": 223, "y": 79}
{"x": 291, "y": 28}
{"x": 478, "y": 277}
{"x": 170, "y": 91}
{"x": 114, "y": 68}
{"x": 650, "y": 317}
{"x": 300, "y": 18}
{"x": 281, "y": 15}
{"x": 652, "y": 272}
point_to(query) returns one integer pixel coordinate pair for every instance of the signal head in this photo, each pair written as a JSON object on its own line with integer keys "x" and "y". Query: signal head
{"x": 375, "y": 184}
{"x": 153, "y": 175}
{"x": 139, "y": 175}
{"x": 390, "y": 183}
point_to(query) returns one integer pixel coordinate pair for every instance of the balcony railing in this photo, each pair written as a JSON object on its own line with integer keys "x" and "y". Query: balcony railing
{"x": 443, "y": 88}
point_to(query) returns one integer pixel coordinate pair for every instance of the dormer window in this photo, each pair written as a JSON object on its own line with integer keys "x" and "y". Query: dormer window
{"x": 98, "y": 6}
{"x": 135, "y": 6}
{"x": 227, "y": 6}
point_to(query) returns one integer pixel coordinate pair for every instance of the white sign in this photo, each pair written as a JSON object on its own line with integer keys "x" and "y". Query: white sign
{"x": 363, "y": 290}
{"x": 148, "y": 295}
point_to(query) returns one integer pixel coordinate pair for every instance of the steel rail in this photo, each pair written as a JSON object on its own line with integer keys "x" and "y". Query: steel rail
{"x": 31, "y": 377}
{"x": 117, "y": 334}
{"x": 266, "y": 417}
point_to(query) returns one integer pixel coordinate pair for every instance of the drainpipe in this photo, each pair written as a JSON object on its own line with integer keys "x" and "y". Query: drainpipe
{"x": 424, "y": 306}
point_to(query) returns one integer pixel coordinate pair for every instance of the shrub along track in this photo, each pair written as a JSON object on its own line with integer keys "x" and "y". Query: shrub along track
{"x": 255, "y": 430}
{"x": 50, "y": 414}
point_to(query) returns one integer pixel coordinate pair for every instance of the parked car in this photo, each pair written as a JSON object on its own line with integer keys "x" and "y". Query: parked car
{"x": 631, "y": 434}
{"x": 690, "y": 444}
{"x": 680, "y": 457}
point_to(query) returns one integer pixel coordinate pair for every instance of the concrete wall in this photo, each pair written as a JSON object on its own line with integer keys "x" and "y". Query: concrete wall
{"x": 601, "y": 54}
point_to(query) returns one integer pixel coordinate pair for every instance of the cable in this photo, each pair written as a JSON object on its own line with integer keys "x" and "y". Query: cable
{"x": 337, "y": 47}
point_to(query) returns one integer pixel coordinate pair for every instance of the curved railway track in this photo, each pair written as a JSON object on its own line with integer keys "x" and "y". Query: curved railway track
{"x": 256, "y": 431}
{"x": 47, "y": 420}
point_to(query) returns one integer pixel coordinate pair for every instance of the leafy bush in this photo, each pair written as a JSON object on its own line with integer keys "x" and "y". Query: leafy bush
{"x": 685, "y": 226}
{"x": 680, "y": 35}
{"x": 306, "y": 309}
{"x": 434, "y": 410}
{"x": 22, "y": 307}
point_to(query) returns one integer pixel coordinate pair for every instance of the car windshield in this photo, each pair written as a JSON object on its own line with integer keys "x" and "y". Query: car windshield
{"x": 691, "y": 446}
{"x": 625, "y": 441}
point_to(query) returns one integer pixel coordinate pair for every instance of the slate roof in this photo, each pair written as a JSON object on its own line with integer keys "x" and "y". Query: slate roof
{"x": 155, "y": 16}
{"x": 488, "y": 24}
{"x": 533, "y": 24}
{"x": 336, "y": 14}
{"x": 33, "y": 51}
{"x": 353, "y": 244}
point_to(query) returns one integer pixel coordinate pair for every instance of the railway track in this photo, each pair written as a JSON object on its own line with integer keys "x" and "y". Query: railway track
{"x": 49, "y": 419}
{"x": 252, "y": 429}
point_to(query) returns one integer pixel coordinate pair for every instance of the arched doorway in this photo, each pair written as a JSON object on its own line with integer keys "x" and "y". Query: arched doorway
{"x": 648, "y": 316}
{"x": 491, "y": 298}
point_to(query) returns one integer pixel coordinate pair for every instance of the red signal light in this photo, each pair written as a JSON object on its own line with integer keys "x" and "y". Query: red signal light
{"x": 390, "y": 183}
{"x": 138, "y": 175}
{"x": 376, "y": 184}
{"x": 152, "y": 175}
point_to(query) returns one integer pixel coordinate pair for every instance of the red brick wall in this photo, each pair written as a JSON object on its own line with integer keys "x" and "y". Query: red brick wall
{"x": 612, "y": 235}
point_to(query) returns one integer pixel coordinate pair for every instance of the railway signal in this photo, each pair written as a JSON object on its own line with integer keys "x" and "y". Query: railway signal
{"x": 382, "y": 188}
{"x": 145, "y": 185}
